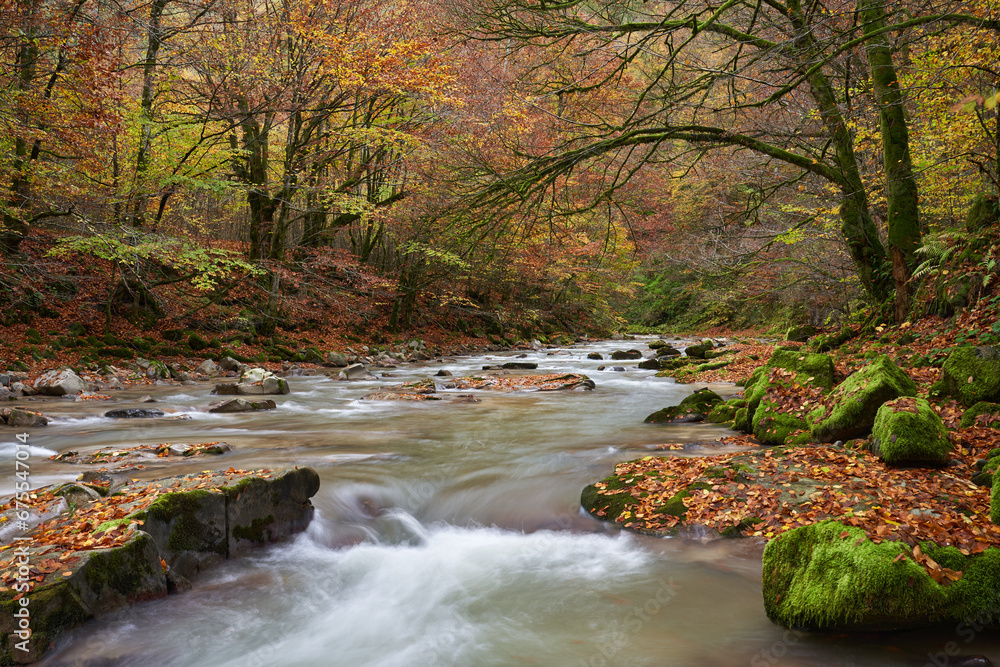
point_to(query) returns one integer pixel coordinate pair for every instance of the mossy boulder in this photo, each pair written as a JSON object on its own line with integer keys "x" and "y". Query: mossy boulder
{"x": 800, "y": 333}
{"x": 668, "y": 351}
{"x": 972, "y": 374}
{"x": 772, "y": 426}
{"x": 831, "y": 577}
{"x": 101, "y": 581}
{"x": 620, "y": 355}
{"x": 726, "y": 411}
{"x": 995, "y": 500}
{"x": 855, "y": 402}
{"x": 698, "y": 350}
{"x": 828, "y": 576}
{"x": 764, "y": 416}
{"x": 694, "y": 408}
{"x": 608, "y": 499}
{"x": 831, "y": 341}
{"x": 197, "y": 528}
{"x": 197, "y": 342}
{"x": 907, "y": 431}
{"x": 971, "y": 416}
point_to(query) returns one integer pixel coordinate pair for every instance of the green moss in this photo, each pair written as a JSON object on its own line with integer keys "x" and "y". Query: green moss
{"x": 178, "y": 510}
{"x": 908, "y": 431}
{"x": 615, "y": 499}
{"x": 695, "y": 406}
{"x": 114, "y": 523}
{"x": 809, "y": 368}
{"x": 773, "y": 427}
{"x": 980, "y": 408}
{"x": 233, "y": 491}
{"x": 675, "y": 506}
{"x": 800, "y": 333}
{"x": 857, "y": 399}
{"x": 981, "y": 365}
{"x": 995, "y": 500}
{"x": 197, "y": 342}
{"x": 831, "y": 577}
{"x": 121, "y": 569}
{"x": 726, "y": 412}
{"x": 255, "y": 531}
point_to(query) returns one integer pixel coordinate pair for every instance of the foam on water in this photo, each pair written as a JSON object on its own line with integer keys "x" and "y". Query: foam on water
{"x": 433, "y": 596}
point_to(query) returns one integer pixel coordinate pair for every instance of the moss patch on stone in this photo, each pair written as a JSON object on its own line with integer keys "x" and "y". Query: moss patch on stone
{"x": 907, "y": 431}
{"x": 855, "y": 402}
{"x": 255, "y": 531}
{"x": 970, "y": 416}
{"x": 693, "y": 408}
{"x": 832, "y": 577}
{"x": 972, "y": 374}
{"x": 726, "y": 411}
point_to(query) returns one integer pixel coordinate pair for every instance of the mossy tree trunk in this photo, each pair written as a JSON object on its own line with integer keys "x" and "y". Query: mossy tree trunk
{"x": 903, "y": 218}
{"x": 857, "y": 227}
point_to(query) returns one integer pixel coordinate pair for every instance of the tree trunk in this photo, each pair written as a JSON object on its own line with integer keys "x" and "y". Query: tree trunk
{"x": 154, "y": 38}
{"x": 901, "y": 187}
{"x": 857, "y": 227}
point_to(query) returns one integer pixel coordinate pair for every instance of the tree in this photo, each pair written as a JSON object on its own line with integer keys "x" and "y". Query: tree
{"x": 57, "y": 64}
{"x": 770, "y": 76}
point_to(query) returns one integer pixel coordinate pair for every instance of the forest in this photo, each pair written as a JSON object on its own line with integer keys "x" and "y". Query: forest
{"x": 503, "y": 168}
{"x": 790, "y": 209}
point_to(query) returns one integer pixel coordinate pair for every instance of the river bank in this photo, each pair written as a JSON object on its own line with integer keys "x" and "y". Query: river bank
{"x": 458, "y": 524}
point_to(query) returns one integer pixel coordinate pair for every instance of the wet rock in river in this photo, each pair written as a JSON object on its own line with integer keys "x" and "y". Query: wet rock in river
{"x": 134, "y": 413}
{"x": 139, "y": 544}
{"x": 21, "y": 418}
{"x": 240, "y": 405}
{"x": 254, "y": 382}
{"x": 60, "y": 383}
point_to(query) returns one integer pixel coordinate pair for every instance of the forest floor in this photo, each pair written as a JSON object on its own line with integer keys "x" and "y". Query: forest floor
{"x": 54, "y": 312}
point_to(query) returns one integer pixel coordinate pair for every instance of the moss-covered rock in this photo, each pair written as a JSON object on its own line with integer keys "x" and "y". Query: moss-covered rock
{"x": 972, "y": 374}
{"x": 970, "y": 416}
{"x": 772, "y": 426}
{"x": 828, "y": 576}
{"x": 726, "y": 411}
{"x": 619, "y": 355}
{"x": 801, "y": 333}
{"x": 765, "y": 416}
{"x": 995, "y": 500}
{"x": 832, "y": 341}
{"x": 100, "y": 582}
{"x": 694, "y": 408}
{"x": 856, "y": 401}
{"x": 197, "y": 342}
{"x": 832, "y": 577}
{"x": 907, "y": 431}
{"x": 698, "y": 350}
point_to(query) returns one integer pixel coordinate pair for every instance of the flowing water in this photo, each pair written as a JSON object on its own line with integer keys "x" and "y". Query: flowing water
{"x": 451, "y": 534}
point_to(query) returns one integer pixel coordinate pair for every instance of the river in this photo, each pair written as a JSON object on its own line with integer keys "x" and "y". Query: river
{"x": 451, "y": 534}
